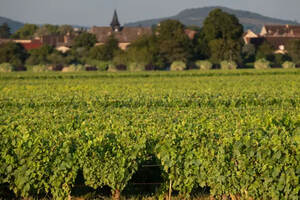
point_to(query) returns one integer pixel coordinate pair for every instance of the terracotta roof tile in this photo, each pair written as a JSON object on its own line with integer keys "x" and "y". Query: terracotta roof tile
{"x": 190, "y": 33}
{"x": 283, "y": 30}
{"x": 126, "y": 35}
{"x": 34, "y": 44}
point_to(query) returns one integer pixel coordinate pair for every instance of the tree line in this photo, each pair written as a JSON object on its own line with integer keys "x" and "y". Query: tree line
{"x": 218, "y": 42}
{"x": 28, "y": 31}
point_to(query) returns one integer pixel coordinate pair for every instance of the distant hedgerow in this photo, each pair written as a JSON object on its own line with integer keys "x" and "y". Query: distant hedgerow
{"x": 204, "y": 64}
{"x": 178, "y": 66}
{"x": 6, "y": 67}
{"x": 262, "y": 64}
{"x": 227, "y": 64}
{"x": 288, "y": 64}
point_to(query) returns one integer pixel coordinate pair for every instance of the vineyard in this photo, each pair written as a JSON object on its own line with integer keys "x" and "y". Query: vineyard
{"x": 236, "y": 133}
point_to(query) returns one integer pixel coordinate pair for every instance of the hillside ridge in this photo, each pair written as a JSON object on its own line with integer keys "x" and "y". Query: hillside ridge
{"x": 196, "y": 16}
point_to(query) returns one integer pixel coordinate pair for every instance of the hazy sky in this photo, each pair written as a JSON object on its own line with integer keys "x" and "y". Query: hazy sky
{"x": 99, "y": 12}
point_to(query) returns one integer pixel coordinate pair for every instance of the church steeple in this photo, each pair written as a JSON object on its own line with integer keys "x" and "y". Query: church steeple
{"x": 115, "y": 24}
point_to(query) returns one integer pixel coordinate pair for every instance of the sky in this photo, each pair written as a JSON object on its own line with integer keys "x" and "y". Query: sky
{"x": 99, "y": 12}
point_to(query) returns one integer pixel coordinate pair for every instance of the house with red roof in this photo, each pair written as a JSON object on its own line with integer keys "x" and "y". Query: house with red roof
{"x": 30, "y": 44}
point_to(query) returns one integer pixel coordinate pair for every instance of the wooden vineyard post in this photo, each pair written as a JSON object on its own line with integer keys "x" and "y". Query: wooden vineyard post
{"x": 170, "y": 190}
{"x": 116, "y": 195}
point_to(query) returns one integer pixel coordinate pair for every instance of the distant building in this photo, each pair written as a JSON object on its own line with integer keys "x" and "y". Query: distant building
{"x": 63, "y": 49}
{"x": 278, "y": 36}
{"x": 60, "y": 42}
{"x": 30, "y": 44}
{"x": 190, "y": 33}
{"x": 27, "y": 44}
{"x": 280, "y": 31}
{"x": 248, "y": 35}
{"x": 57, "y": 40}
{"x": 125, "y": 35}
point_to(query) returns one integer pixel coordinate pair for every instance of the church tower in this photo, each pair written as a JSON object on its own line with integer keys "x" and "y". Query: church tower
{"x": 115, "y": 24}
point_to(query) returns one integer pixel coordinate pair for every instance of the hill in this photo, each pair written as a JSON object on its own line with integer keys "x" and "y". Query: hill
{"x": 196, "y": 16}
{"x": 13, "y": 25}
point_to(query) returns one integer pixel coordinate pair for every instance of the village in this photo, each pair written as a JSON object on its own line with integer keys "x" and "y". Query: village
{"x": 125, "y": 36}
{"x": 272, "y": 42}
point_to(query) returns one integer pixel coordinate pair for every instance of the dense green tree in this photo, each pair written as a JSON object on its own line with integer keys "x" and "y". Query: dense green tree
{"x": 71, "y": 59}
{"x": 293, "y": 49}
{"x": 112, "y": 43}
{"x": 47, "y": 29}
{"x": 101, "y": 52}
{"x": 40, "y": 56}
{"x": 13, "y": 53}
{"x": 221, "y": 49}
{"x": 148, "y": 48}
{"x": 200, "y": 44}
{"x": 248, "y": 53}
{"x": 279, "y": 59}
{"x": 121, "y": 58}
{"x": 144, "y": 53}
{"x": 174, "y": 44}
{"x": 65, "y": 29}
{"x": 26, "y": 32}
{"x": 47, "y": 55}
{"x": 222, "y": 32}
{"x": 84, "y": 40}
{"x": 80, "y": 54}
{"x": 265, "y": 51}
{"x": 81, "y": 46}
{"x": 221, "y": 25}
{"x": 4, "y": 31}
{"x": 105, "y": 52}
{"x": 57, "y": 59}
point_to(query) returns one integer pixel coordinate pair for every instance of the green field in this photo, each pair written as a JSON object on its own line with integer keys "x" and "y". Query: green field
{"x": 233, "y": 132}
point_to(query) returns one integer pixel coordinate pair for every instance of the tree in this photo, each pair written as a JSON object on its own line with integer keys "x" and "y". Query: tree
{"x": 85, "y": 40}
{"x": 223, "y": 32}
{"x": 146, "y": 50}
{"x": 200, "y": 44}
{"x": 221, "y": 25}
{"x": 26, "y": 32}
{"x": 144, "y": 53}
{"x": 13, "y": 53}
{"x": 65, "y": 29}
{"x": 265, "y": 51}
{"x": 225, "y": 50}
{"x": 81, "y": 46}
{"x": 40, "y": 56}
{"x": 293, "y": 49}
{"x": 279, "y": 59}
{"x": 174, "y": 44}
{"x": 105, "y": 52}
{"x": 57, "y": 60}
{"x": 4, "y": 31}
{"x": 47, "y": 29}
{"x": 47, "y": 55}
{"x": 248, "y": 53}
